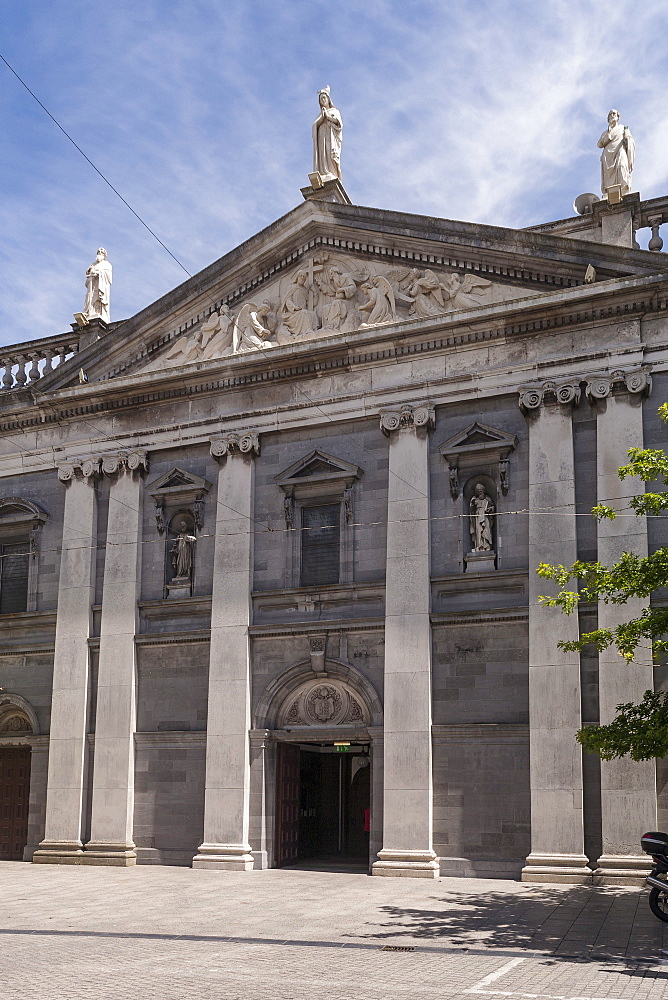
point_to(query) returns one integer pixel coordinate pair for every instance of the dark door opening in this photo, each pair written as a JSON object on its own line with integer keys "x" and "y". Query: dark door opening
{"x": 323, "y": 807}
{"x": 14, "y": 794}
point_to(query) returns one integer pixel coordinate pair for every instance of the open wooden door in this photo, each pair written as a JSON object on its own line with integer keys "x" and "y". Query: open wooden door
{"x": 14, "y": 796}
{"x": 287, "y": 804}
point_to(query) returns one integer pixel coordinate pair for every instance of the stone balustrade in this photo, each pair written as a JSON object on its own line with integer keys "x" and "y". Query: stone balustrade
{"x": 24, "y": 364}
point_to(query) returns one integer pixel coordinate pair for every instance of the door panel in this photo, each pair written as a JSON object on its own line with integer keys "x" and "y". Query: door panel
{"x": 14, "y": 796}
{"x": 287, "y": 805}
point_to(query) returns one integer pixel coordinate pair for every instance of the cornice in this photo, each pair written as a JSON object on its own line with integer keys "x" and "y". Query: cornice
{"x": 337, "y": 627}
{"x": 343, "y": 353}
{"x": 482, "y": 732}
{"x": 171, "y": 740}
{"x": 498, "y": 616}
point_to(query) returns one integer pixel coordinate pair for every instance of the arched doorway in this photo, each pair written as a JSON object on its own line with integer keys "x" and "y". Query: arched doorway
{"x": 15, "y": 725}
{"x": 324, "y": 728}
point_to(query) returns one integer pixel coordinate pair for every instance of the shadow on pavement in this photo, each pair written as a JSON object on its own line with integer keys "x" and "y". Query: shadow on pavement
{"x": 582, "y": 921}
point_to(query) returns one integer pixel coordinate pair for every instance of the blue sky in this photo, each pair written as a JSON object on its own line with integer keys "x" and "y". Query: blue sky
{"x": 200, "y": 112}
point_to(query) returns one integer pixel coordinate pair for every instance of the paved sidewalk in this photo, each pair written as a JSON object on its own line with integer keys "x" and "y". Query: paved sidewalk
{"x": 166, "y": 933}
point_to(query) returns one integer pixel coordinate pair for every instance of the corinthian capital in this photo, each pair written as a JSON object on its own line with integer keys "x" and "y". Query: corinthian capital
{"x": 407, "y": 415}
{"x": 242, "y": 443}
{"x": 564, "y": 391}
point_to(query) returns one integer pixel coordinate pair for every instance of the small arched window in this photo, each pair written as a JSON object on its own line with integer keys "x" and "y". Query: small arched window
{"x": 20, "y": 522}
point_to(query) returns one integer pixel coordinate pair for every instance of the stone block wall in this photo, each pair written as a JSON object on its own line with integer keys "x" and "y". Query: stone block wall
{"x": 481, "y": 799}
{"x": 172, "y": 684}
{"x": 169, "y": 799}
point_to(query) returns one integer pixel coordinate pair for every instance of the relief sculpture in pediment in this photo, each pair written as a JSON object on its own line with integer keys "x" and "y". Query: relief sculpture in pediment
{"x": 330, "y": 294}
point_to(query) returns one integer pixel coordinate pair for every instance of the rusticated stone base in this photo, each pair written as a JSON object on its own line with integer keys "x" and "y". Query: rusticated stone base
{"x": 225, "y": 857}
{"x": 406, "y": 864}
{"x": 58, "y": 852}
{"x": 110, "y": 855}
{"x": 622, "y": 869}
{"x": 572, "y": 869}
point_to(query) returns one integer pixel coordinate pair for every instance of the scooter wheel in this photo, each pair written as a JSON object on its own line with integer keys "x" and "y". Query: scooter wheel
{"x": 658, "y": 902}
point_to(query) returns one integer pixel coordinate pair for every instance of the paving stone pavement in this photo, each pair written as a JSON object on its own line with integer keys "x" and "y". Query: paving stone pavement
{"x": 175, "y": 933}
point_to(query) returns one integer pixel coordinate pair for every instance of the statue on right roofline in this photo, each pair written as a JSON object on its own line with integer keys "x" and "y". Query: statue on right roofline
{"x": 617, "y": 158}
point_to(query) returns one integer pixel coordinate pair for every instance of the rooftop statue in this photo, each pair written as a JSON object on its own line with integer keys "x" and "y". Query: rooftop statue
{"x": 98, "y": 286}
{"x": 327, "y": 132}
{"x": 617, "y": 158}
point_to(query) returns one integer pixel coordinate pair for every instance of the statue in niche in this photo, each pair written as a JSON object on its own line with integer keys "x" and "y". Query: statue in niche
{"x": 380, "y": 306}
{"x": 327, "y": 133}
{"x": 481, "y": 514}
{"x": 182, "y": 553}
{"x": 295, "y": 313}
{"x": 98, "y": 287}
{"x": 466, "y": 292}
{"x": 618, "y": 156}
{"x": 252, "y": 330}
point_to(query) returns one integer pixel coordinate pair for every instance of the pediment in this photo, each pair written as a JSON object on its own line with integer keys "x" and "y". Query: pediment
{"x": 317, "y": 469}
{"x": 178, "y": 484}
{"x": 478, "y": 439}
{"x": 328, "y": 270}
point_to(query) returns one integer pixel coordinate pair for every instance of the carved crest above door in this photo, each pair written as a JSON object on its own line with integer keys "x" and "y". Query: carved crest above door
{"x": 322, "y": 703}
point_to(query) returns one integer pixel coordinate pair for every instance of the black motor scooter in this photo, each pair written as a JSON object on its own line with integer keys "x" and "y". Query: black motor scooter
{"x": 656, "y": 844}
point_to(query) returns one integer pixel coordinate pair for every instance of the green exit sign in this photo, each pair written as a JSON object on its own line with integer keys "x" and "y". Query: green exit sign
{"x": 342, "y": 747}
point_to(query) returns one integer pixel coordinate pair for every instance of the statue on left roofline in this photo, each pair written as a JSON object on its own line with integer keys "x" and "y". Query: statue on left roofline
{"x": 98, "y": 287}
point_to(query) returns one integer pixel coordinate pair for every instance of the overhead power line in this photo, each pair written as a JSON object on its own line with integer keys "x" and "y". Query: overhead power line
{"x": 95, "y": 168}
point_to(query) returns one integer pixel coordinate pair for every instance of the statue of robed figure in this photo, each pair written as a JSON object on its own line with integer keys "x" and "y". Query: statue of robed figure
{"x": 481, "y": 513}
{"x": 98, "y": 286}
{"x": 327, "y": 133}
{"x": 618, "y": 156}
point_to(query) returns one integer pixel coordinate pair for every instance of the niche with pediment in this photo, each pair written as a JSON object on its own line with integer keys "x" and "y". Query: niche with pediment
{"x": 319, "y": 508}
{"x": 21, "y": 522}
{"x": 178, "y": 500}
{"x": 479, "y": 458}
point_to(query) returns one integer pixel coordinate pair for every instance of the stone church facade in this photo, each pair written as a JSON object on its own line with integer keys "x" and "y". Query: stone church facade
{"x": 268, "y": 587}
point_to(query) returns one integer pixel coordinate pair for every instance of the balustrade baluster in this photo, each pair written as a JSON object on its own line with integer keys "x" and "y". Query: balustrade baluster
{"x": 20, "y": 376}
{"x": 33, "y": 371}
{"x": 8, "y": 375}
{"x": 655, "y": 243}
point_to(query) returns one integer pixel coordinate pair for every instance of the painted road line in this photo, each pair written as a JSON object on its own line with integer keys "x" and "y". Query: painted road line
{"x": 480, "y": 987}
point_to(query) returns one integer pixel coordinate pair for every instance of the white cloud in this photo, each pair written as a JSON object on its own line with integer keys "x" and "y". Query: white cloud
{"x": 200, "y": 114}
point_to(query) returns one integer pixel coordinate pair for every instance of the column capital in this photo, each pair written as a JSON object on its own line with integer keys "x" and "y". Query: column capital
{"x": 89, "y": 468}
{"x": 94, "y": 466}
{"x": 241, "y": 442}
{"x": 132, "y": 461}
{"x": 564, "y": 391}
{"x": 407, "y": 415}
{"x": 632, "y": 380}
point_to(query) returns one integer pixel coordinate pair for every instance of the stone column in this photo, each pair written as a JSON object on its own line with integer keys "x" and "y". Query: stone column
{"x": 39, "y": 764}
{"x": 376, "y": 734}
{"x": 259, "y": 819}
{"x": 408, "y": 797}
{"x": 628, "y": 788}
{"x": 227, "y": 796}
{"x": 69, "y": 705}
{"x": 557, "y": 827}
{"x": 111, "y": 840}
